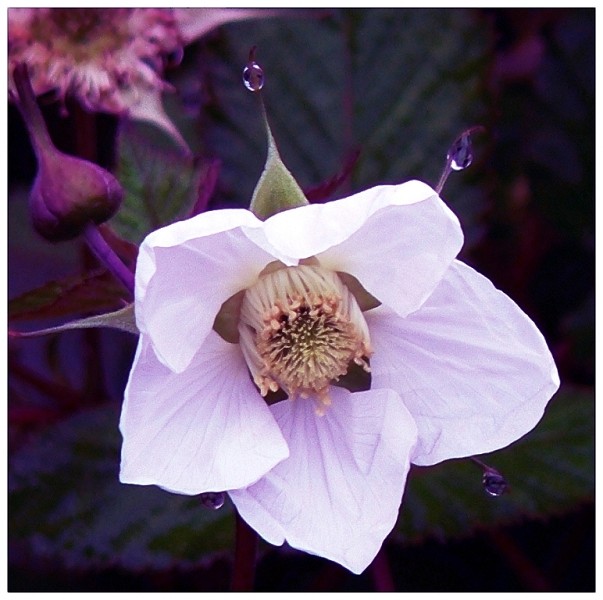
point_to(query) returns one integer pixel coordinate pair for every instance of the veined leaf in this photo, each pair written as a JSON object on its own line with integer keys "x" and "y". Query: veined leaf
{"x": 93, "y": 292}
{"x": 549, "y": 470}
{"x": 65, "y": 500}
{"x": 161, "y": 184}
{"x": 66, "y": 503}
{"x": 398, "y": 84}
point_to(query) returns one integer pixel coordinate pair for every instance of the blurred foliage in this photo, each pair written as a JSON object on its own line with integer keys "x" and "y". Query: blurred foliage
{"x": 66, "y": 500}
{"x": 546, "y": 131}
{"x": 160, "y": 183}
{"x": 397, "y": 86}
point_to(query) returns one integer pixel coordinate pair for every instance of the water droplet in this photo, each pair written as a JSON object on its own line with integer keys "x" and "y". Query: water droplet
{"x": 253, "y": 77}
{"x": 460, "y": 154}
{"x": 494, "y": 483}
{"x": 213, "y": 500}
{"x": 174, "y": 58}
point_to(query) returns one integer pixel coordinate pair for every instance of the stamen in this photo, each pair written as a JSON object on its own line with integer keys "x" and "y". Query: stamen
{"x": 300, "y": 329}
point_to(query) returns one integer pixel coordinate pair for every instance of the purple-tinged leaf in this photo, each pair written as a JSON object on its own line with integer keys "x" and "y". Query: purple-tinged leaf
{"x": 94, "y": 292}
{"x": 324, "y": 190}
{"x": 122, "y": 319}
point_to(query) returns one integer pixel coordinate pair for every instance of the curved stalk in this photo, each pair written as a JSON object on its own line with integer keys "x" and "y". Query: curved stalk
{"x": 96, "y": 242}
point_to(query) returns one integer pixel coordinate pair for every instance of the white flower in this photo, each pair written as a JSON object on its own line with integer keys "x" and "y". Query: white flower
{"x": 456, "y": 367}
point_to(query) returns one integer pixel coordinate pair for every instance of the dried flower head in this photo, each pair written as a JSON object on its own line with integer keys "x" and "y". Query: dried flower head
{"x": 105, "y": 57}
{"x": 109, "y": 59}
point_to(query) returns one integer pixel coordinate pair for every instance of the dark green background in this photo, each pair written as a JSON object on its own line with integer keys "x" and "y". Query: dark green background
{"x": 393, "y": 87}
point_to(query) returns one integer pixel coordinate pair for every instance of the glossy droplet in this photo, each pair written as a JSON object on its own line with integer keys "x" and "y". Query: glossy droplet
{"x": 253, "y": 77}
{"x": 213, "y": 500}
{"x": 174, "y": 58}
{"x": 460, "y": 154}
{"x": 494, "y": 483}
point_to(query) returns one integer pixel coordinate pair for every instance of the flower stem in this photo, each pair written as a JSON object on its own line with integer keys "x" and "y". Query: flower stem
{"x": 382, "y": 575}
{"x": 246, "y": 543}
{"x": 444, "y": 176}
{"x": 96, "y": 242}
{"x": 479, "y": 463}
{"x": 32, "y": 115}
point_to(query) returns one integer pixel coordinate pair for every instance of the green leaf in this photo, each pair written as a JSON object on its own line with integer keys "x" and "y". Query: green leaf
{"x": 77, "y": 294}
{"x": 549, "y": 471}
{"x": 160, "y": 182}
{"x": 550, "y": 123}
{"x": 123, "y": 319}
{"x": 65, "y": 500}
{"x": 66, "y": 503}
{"x": 400, "y": 84}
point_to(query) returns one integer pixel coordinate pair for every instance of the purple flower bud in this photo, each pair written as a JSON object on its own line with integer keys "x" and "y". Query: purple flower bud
{"x": 68, "y": 193}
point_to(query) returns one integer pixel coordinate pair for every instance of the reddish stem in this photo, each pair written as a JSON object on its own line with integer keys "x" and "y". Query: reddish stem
{"x": 67, "y": 396}
{"x": 528, "y": 573}
{"x": 246, "y": 544}
{"x": 382, "y": 576}
{"x": 206, "y": 188}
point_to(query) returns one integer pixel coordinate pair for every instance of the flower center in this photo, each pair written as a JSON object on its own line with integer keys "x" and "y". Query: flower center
{"x": 300, "y": 329}
{"x": 82, "y": 33}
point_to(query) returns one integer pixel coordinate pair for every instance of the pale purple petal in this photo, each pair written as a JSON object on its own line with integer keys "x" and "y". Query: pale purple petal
{"x": 339, "y": 492}
{"x": 396, "y": 240}
{"x": 470, "y": 366}
{"x": 145, "y": 104}
{"x": 206, "y": 429}
{"x": 184, "y": 274}
{"x": 194, "y": 23}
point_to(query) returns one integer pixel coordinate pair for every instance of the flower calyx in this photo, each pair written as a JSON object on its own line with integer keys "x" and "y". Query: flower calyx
{"x": 277, "y": 190}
